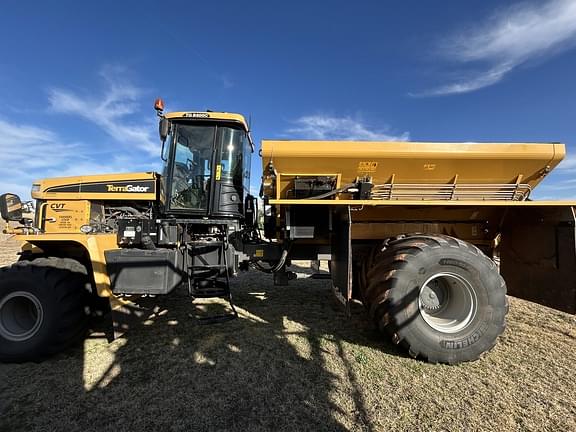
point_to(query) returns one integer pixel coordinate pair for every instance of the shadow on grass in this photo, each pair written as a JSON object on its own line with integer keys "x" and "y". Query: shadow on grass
{"x": 284, "y": 365}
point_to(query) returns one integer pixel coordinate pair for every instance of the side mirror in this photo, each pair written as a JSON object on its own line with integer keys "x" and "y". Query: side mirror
{"x": 11, "y": 207}
{"x": 164, "y": 129}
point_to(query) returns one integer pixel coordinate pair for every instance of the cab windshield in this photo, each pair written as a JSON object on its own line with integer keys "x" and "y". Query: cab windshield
{"x": 204, "y": 153}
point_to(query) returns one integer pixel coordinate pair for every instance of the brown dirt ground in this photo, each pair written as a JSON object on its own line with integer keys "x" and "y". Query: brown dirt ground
{"x": 291, "y": 362}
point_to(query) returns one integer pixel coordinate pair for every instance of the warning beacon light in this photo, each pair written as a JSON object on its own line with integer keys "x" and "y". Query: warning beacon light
{"x": 159, "y": 106}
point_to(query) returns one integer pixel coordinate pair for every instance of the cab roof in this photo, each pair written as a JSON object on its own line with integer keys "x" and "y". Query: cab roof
{"x": 208, "y": 115}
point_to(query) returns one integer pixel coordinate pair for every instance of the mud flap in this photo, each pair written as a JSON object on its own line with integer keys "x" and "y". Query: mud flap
{"x": 341, "y": 263}
{"x": 112, "y": 318}
{"x": 538, "y": 255}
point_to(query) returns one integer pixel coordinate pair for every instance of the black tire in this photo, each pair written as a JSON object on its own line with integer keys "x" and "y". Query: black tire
{"x": 43, "y": 308}
{"x": 438, "y": 296}
{"x": 364, "y": 266}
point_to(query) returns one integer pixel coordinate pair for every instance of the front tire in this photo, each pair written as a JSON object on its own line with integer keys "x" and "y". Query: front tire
{"x": 438, "y": 296}
{"x": 43, "y": 307}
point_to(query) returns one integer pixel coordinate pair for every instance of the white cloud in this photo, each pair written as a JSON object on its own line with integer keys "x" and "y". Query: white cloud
{"x": 510, "y": 38}
{"x": 323, "y": 127}
{"x": 470, "y": 83}
{"x": 25, "y": 152}
{"x": 20, "y": 189}
{"x": 29, "y": 153}
{"x": 568, "y": 164}
{"x": 113, "y": 111}
{"x": 556, "y": 188}
{"x": 25, "y": 148}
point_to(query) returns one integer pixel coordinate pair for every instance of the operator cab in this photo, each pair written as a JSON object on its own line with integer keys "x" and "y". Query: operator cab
{"x": 206, "y": 163}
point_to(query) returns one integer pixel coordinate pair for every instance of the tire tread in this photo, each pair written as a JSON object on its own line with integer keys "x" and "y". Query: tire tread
{"x": 390, "y": 261}
{"x": 67, "y": 281}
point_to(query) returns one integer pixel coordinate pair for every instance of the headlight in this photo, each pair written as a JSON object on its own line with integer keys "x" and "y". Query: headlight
{"x": 86, "y": 229}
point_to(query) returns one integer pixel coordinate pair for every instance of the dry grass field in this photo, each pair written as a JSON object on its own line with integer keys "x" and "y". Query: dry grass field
{"x": 291, "y": 362}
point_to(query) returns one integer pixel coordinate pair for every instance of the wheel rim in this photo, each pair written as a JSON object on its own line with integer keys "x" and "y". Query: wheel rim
{"x": 447, "y": 302}
{"x": 20, "y": 316}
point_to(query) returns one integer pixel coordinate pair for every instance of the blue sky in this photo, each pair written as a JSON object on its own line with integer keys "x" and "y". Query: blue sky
{"x": 78, "y": 79}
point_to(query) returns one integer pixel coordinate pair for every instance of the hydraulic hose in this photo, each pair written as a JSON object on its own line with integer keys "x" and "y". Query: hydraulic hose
{"x": 331, "y": 193}
{"x": 130, "y": 210}
{"x": 277, "y": 267}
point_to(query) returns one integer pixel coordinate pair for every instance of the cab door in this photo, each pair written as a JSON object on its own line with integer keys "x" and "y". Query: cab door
{"x": 191, "y": 169}
{"x": 232, "y": 172}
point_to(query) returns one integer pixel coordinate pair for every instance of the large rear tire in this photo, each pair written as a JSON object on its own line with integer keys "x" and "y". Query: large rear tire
{"x": 438, "y": 296}
{"x": 43, "y": 307}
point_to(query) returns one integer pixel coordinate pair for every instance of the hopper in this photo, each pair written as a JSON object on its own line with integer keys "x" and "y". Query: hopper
{"x": 419, "y": 170}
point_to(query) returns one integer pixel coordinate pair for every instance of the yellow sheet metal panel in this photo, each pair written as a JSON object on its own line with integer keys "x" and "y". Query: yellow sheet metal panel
{"x": 384, "y": 203}
{"x": 122, "y": 186}
{"x": 95, "y": 244}
{"x": 472, "y": 232}
{"x": 417, "y": 162}
{"x": 65, "y": 216}
{"x": 218, "y": 116}
{"x": 478, "y": 225}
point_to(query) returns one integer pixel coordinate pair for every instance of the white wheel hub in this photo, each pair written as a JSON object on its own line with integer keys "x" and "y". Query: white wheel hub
{"x": 447, "y": 302}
